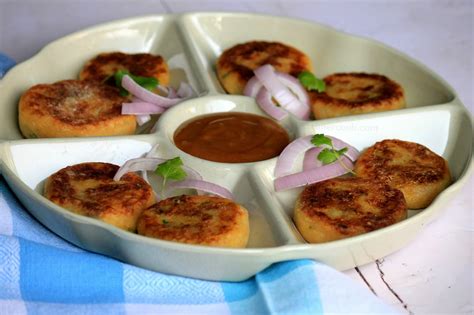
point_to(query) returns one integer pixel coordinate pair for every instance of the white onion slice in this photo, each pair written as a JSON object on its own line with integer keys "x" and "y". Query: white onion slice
{"x": 141, "y": 108}
{"x": 150, "y": 154}
{"x": 202, "y": 186}
{"x": 310, "y": 159}
{"x": 264, "y": 99}
{"x": 193, "y": 179}
{"x": 185, "y": 91}
{"x": 137, "y": 100}
{"x": 287, "y": 158}
{"x": 314, "y": 175}
{"x": 255, "y": 89}
{"x": 284, "y": 97}
{"x": 149, "y": 164}
{"x": 352, "y": 152}
{"x": 138, "y": 164}
{"x": 252, "y": 87}
{"x": 295, "y": 86}
{"x": 146, "y": 95}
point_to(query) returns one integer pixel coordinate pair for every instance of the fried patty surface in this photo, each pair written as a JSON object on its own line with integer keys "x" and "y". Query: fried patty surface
{"x": 344, "y": 207}
{"x": 356, "y": 93}
{"x": 105, "y": 65}
{"x": 203, "y": 220}
{"x": 73, "y": 108}
{"x": 235, "y": 65}
{"x": 411, "y": 167}
{"x": 89, "y": 189}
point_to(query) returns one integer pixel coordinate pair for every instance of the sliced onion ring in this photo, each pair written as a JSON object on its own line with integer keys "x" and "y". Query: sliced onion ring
{"x": 252, "y": 87}
{"x": 202, "y": 186}
{"x": 287, "y": 158}
{"x": 193, "y": 180}
{"x": 314, "y": 175}
{"x": 148, "y": 96}
{"x": 264, "y": 99}
{"x": 138, "y": 164}
{"x": 148, "y": 164}
{"x": 285, "y": 98}
{"x": 294, "y": 85}
{"x": 310, "y": 159}
{"x": 150, "y": 154}
{"x": 351, "y": 153}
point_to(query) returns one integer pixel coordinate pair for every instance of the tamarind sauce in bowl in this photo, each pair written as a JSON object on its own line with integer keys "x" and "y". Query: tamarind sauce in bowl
{"x": 231, "y": 137}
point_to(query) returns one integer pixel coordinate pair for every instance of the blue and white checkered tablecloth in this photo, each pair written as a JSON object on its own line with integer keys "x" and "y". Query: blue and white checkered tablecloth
{"x": 41, "y": 273}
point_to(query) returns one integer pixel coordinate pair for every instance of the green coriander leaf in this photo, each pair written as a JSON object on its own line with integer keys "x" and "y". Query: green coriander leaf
{"x": 123, "y": 92}
{"x": 119, "y": 76}
{"x": 320, "y": 139}
{"x": 148, "y": 83}
{"x": 311, "y": 83}
{"x": 164, "y": 221}
{"x": 327, "y": 156}
{"x": 340, "y": 152}
{"x": 171, "y": 169}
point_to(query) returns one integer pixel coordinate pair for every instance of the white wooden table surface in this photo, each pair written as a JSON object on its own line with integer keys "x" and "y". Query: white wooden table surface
{"x": 433, "y": 274}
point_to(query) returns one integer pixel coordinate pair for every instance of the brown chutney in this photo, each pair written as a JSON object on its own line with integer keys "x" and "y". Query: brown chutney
{"x": 231, "y": 137}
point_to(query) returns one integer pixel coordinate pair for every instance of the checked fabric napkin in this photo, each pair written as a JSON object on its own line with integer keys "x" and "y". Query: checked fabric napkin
{"x": 40, "y": 273}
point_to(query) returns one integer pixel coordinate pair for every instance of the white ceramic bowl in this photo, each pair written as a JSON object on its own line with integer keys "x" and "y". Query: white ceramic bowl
{"x": 191, "y": 43}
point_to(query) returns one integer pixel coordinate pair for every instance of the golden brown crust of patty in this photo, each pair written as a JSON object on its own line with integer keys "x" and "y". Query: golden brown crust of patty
{"x": 411, "y": 167}
{"x": 104, "y": 65}
{"x": 203, "y": 220}
{"x": 356, "y": 93}
{"x": 89, "y": 189}
{"x": 235, "y": 65}
{"x": 344, "y": 207}
{"x": 73, "y": 108}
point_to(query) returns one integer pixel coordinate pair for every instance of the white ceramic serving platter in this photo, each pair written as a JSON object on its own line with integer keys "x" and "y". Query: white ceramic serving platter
{"x": 191, "y": 43}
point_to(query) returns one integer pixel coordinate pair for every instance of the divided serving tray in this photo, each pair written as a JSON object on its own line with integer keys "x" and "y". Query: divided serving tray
{"x": 191, "y": 43}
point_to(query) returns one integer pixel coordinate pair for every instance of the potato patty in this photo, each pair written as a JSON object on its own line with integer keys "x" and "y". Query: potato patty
{"x": 343, "y": 207}
{"x": 235, "y": 65}
{"x": 203, "y": 220}
{"x": 106, "y": 65}
{"x": 89, "y": 189}
{"x": 73, "y": 108}
{"x": 356, "y": 93}
{"x": 411, "y": 167}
